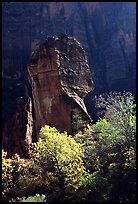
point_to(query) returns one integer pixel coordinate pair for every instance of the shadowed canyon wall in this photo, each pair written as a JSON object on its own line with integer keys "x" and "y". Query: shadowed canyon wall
{"x": 106, "y": 31}
{"x": 17, "y": 133}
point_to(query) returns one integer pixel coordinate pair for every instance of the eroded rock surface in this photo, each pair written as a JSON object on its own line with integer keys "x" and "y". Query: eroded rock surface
{"x": 60, "y": 78}
{"x": 17, "y": 135}
{"x": 106, "y": 30}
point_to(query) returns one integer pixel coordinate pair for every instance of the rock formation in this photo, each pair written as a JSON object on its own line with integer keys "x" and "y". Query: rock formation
{"x": 17, "y": 135}
{"x": 60, "y": 79}
{"x": 106, "y": 31}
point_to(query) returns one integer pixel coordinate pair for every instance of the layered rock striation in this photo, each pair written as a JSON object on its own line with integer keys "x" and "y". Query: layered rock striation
{"x": 60, "y": 79}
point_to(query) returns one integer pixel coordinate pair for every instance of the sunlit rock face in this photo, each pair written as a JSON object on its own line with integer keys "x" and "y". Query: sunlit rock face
{"x": 60, "y": 79}
{"x": 106, "y": 31}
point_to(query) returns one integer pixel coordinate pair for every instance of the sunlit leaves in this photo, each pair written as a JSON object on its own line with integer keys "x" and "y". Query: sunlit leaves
{"x": 6, "y": 173}
{"x": 120, "y": 110}
{"x": 59, "y": 153}
{"x": 94, "y": 166}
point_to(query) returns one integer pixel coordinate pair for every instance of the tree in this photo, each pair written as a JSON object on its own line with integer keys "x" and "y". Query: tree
{"x": 18, "y": 178}
{"x": 6, "y": 174}
{"x": 82, "y": 167}
{"x": 120, "y": 110}
{"x": 111, "y": 160}
{"x": 55, "y": 168}
{"x": 60, "y": 160}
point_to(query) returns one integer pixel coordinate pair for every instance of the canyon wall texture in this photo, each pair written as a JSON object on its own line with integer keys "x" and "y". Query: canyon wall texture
{"x": 17, "y": 134}
{"x": 106, "y": 30}
{"x": 60, "y": 79}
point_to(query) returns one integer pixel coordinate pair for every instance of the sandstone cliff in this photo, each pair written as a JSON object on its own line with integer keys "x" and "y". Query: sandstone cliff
{"x": 106, "y": 30}
{"x": 60, "y": 79}
{"x": 17, "y": 134}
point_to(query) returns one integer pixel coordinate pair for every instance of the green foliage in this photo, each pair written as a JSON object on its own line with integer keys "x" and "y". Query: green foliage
{"x": 130, "y": 158}
{"x": 6, "y": 174}
{"x": 17, "y": 176}
{"x": 91, "y": 159}
{"x": 112, "y": 155}
{"x": 117, "y": 130}
{"x": 77, "y": 121}
{"x": 91, "y": 166}
{"x": 59, "y": 154}
{"x": 56, "y": 161}
{"x": 120, "y": 110}
{"x": 36, "y": 198}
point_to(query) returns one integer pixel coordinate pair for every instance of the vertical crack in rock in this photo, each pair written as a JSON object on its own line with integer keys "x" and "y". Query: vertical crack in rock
{"x": 60, "y": 78}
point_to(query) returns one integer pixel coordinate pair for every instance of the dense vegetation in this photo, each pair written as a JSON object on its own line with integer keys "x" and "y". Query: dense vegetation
{"x": 92, "y": 166}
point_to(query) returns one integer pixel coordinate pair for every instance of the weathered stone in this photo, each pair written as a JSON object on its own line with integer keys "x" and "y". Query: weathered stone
{"x": 60, "y": 79}
{"x": 17, "y": 135}
{"x": 107, "y": 32}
